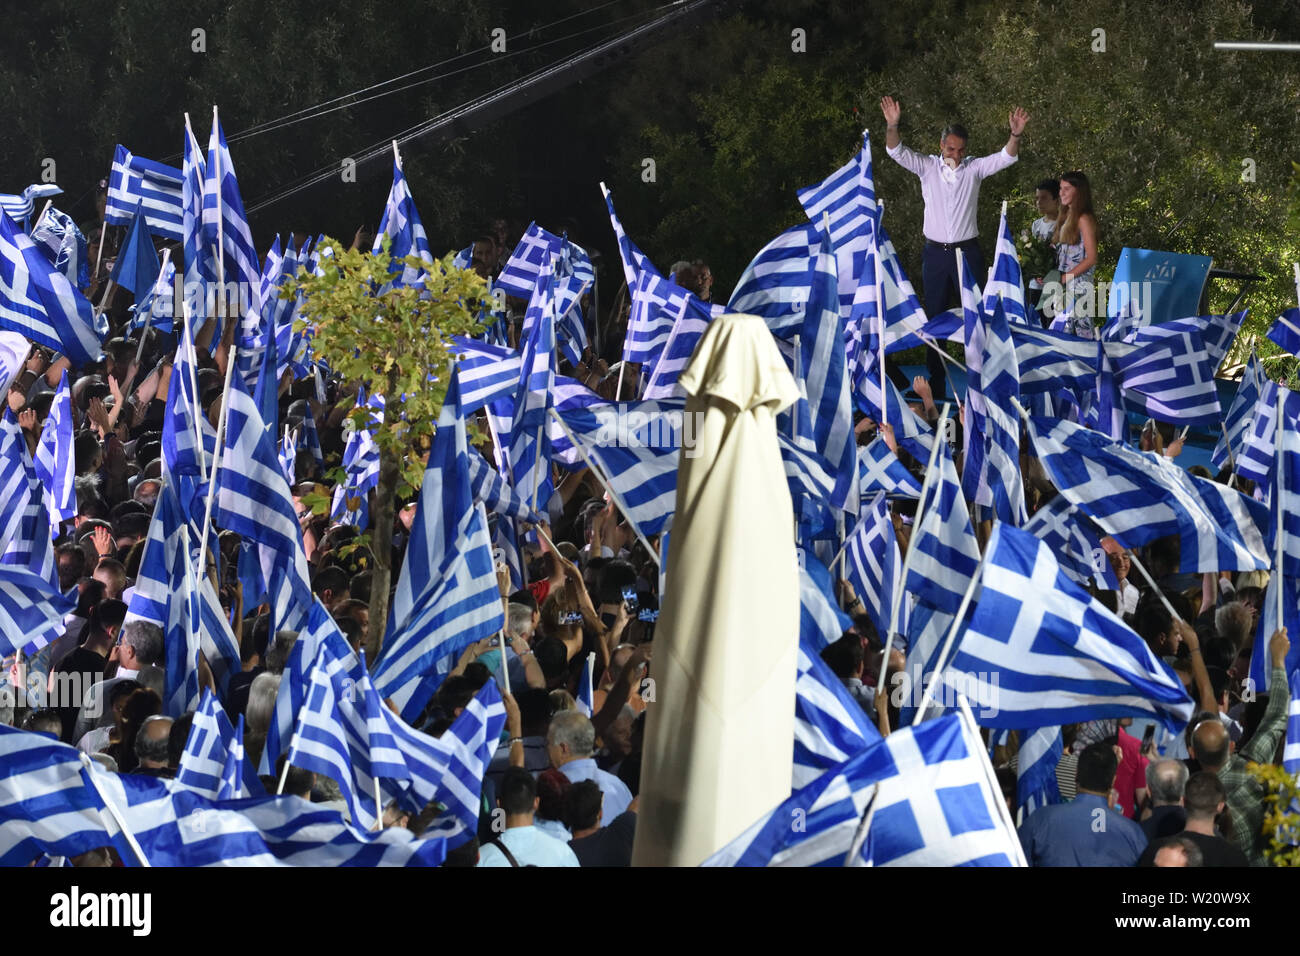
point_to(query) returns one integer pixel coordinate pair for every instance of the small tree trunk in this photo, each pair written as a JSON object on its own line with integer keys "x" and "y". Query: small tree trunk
{"x": 381, "y": 543}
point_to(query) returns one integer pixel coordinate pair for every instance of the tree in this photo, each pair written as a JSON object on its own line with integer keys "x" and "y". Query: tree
{"x": 390, "y": 340}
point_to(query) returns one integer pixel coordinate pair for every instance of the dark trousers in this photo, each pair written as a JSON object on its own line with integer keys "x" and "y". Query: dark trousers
{"x": 942, "y": 291}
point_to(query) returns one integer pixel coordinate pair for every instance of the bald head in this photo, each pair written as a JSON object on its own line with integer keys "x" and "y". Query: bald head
{"x": 151, "y": 741}
{"x": 1211, "y": 744}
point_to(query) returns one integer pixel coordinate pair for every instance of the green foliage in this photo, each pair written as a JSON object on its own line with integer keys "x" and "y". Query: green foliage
{"x": 1280, "y": 819}
{"x": 390, "y": 341}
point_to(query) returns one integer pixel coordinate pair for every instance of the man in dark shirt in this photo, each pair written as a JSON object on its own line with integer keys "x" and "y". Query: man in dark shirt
{"x": 85, "y": 665}
{"x": 592, "y": 844}
{"x": 1166, "y": 782}
{"x": 1204, "y": 799}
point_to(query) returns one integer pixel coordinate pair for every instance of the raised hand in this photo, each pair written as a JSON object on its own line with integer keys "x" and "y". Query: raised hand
{"x": 889, "y": 106}
{"x": 1017, "y": 120}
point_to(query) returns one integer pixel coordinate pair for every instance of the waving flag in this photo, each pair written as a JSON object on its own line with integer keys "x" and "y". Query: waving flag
{"x": 1170, "y": 378}
{"x": 446, "y": 596}
{"x": 975, "y": 334}
{"x": 657, "y": 305}
{"x": 1139, "y": 496}
{"x": 471, "y": 740}
{"x": 402, "y": 226}
{"x": 1236, "y": 426}
{"x": 1075, "y": 541}
{"x": 584, "y": 700}
{"x": 688, "y": 329}
{"x": 65, "y": 246}
{"x": 775, "y": 285}
{"x": 634, "y": 260}
{"x": 25, "y": 539}
{"x": 571, "y": 266}
{"x": 829, "y": 725}
{"x": 200, "y": 263}
{"x": 137, "y": 266}
{"x": 1040, "y": 753}
{"x": 54, "y": 461}
{"x": 1005, "y": 284}
{"x": 875, "y": 565}
{"x": 821, "y": 622}
{"x": 1049, "y": 361}
{"x": 1059, "y": 656}
{"x": 38, "y": 301}
{"x": 905, "y": 320}
{"x": 912, "y": 433}
{"x": 156, "y": 307}
{"x": 189, "y": 441}
{"x": 1258, "y": 451}
{"x": 529, "y": 446}
{"x": 1000, "y": 487}
{"x": 880, "y": 470}
{"x": 487, "y": 372}
{"x": 309, "y": 438}
{"x": 1216, "y": 333}
{"x": 351, "y": 503}
{"x": 254, "y": 501}
{"x": 208, "y": 750}
{"x": 31, "y": 610}
{"x": 929, "y": 797}
{"x": 493, "y": 491}
{"x": 1285, "y": 332}
{"x": 225, "y": 226}
{"x": 135, "y": 180}
{"x": 21, "y": 206}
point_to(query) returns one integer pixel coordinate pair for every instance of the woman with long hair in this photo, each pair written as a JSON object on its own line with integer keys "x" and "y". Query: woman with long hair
{"x": 1076, "y": 249}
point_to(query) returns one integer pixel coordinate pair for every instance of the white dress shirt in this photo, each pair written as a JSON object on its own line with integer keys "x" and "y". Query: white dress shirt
{"x": 951, "y": 195}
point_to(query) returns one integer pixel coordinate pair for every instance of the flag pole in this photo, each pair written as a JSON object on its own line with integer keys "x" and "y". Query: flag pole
{"x": 896, "y": 603}
{"x": 839, "y": 521}
{"x": 941, "y": 662}
{"x": 44, "y": 210}
{"x": 618, "y": 500}
{"x": 221, "y": 257}
{"x": 880, "y": 310}
{"x": 89, "y": 773}
{"x": 591, "y": 679}
{"x": 99, "y": 253}
{"x": 216, "y": 462}
{"x": 1277, "y": 491}
{"x": 974, "y": 742}
{"x": 148, "y": 319}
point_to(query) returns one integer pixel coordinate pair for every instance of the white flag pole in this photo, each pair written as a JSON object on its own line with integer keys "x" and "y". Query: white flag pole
{"x": 89, "y": 773}
{"x": 221, "y": 247}
{"x": 1277, "y": 493}
{"x": 896, "y": 604}
{"x": 880, "y": 312}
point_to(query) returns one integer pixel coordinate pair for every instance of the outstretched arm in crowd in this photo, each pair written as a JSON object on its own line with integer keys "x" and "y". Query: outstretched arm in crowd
{"x": 515, "y": 727}
{"x": 1263, "y": 743}
{"x": 1200, "y": 676}
{"x": 629, "y": 679}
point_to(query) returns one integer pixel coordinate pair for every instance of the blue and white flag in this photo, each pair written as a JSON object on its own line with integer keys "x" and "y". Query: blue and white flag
{"x": 1049, "y": 361}
{"x": 1038, "y": 650}
{"x": 634, "y": 260}
{"x": 573, "y": 275}
{"x": 829, "y": 725}
{"x": 20, "y": 206}
{"x": 975, "y": 334}
{"x": 585, "y": 701}
{"x": 254, "y": 501}
{"x": 657, "y": 304}
{"x": 1257, "y": 454}
{"x": 1140, "y": 496}
{"x": 189, "y": 441}
{"x": 200, "y": 262}
{"x": 1216, "y": 333}
{"x": 529, "y": 445}
{"x": 1261, "y": 665}
{"x": 465, "y": 258}
{"x": 1040, "y": 753}
{"x": 54, "y": 461}
{"x": 1236, "y": 425}
{"x": 930, "y": 798}
{"x": 225, "y": 228}
{"x": 351, "y": 501}
{"x": 45, "y": 804}
{"x": 25, "y": 529}
{"x": 1291, "y": 752}
{"x": 156, "y": 307}
{"x": 66, "y": 247}
{"x": 309, "y": 438}
{"x": 208, "y": 750}
{"x": 874, "y": 562}
{"x": 1076, "y": 542}
{"x": 487, "y": 372}
{"x": 1000, "y": 487}
{"x": 880, "y": 470}
{"x": 135, "y": 180}
{"x": 38, "y": 301}
{"x": 775, "y": 285}
{"x": 1005, "y": 284}
{"x": 688, "y": 328}
{"x": 912, "y": 433}
{"x": 1170, "y": 378}
{"x": 401, "y": 225}
{"x": 446, "y": 597}
{"x": 31, "y": 610}
{"x": 493, "y": 492}
{"x": 821, "y": 622}
{"x": 1285, "y": 332}
{"x": 471, "y": 740}
{"x": 136, "y": 267}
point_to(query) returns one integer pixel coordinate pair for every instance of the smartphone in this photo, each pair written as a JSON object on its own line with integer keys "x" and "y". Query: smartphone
{"x": 629, "y": 599}
{"x": 648, "y": 615}
{"x": 570, "y": 617}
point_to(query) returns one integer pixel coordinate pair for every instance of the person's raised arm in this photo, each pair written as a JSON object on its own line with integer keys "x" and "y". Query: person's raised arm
{"x": 1200, "y": 676}
{"x": 1016, "y": 121}
{"x": 894, "y": 147}
{"x": 1272, "y": 725}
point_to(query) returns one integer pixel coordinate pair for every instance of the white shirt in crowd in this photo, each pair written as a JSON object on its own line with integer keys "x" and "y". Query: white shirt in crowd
{"x": 951, "y": 195}
{"x": 531, "y": 847}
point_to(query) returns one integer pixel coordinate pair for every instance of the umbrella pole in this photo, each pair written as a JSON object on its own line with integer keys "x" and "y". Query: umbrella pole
{"x": 618, "y": 500}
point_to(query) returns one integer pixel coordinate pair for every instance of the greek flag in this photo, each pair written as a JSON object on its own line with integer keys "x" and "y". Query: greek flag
{"x": 181, "y": 629}
{"x": 999, "y": 486}
{"x": 200, "y": 263}
{"x": 807, "y": 473}
{"x": 942, "y": 558}
{"x": 1261, "y": 666}
{"x": 54, "y": 461}
{"x": 657, "y": 304}
{"x": 584, "y": 700}
{"x": 1104, "y": 408}
{"x": 493, "y": 491}
{"x": 65, "y": 246}
{"x": 289, "y": 454}
{"x": 529, "y": 444}
{"x": 1140, "y": 496}
{"x": 634, "y": 260}
{"x": 688, "y": 329}
{"x": 1216, "y": 333}
{"x": 446, "y": 596}
{"x": 31, "y": 610}
{"x": 25, "y": 514}
{"x": 821, "y": 622}
{"x": 905, "y": 320}
{"x": 1258, "y": 451}
{"x": 1170, "y": 378}
{"x": 209, "y": 749}
{"x": 225, "y": 226}
{"x": 829, "y": 725}
{"x": 1005, "y": 284}
{"x": 1285, "y": 332}
{"x": 1049, "y": 361}
{"x": 1291, "y": 753}
{"x": 1040, "y": 753}
{"x": 21, "y": 206}
{"x": 1236, "y": 425}
{"x": 45, "y": 804}
{"x": 537, "y": 247}
{"x": 136, "y": 267}
{"x": 1075, "y": 541}
{"x": 912, "y": 433}
{"x": 254, "y": 501}
{"x": 880, "y": 470}
{"x": 975, "y": 332}
{"x": 38, "y": 301}
{"x": 1058, "y": 655}
{"x": 351, "y": 502}
{"x": 874, "y": 564}
{"x": 465, "y": 258}
{"x": 160, "y": 588}
{"x": 187, "y": 463}
{"x": 775, "y": 286}
{"x": 401, "y": 225}
{"x": 929, "y": 795}
{"x": 1284, "y": 499}
{"x": 309, "y": 438}
{"x": 848, "y": 197}
{"x": 136, "y": 180}
{"x": 470, "y": 741}
{"x": 643, "y": 476}
{"x": 487, "y": 372}
{"x": 156, "y": 307}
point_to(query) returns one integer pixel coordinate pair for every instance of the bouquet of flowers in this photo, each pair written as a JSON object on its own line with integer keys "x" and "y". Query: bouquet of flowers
{"x": 1037, "y": 257}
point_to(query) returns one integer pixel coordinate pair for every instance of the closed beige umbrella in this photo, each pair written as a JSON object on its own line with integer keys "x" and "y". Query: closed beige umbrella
{"x": 719, "y": 737}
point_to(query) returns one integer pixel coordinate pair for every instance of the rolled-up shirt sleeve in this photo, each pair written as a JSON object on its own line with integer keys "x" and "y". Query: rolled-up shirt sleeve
{"x": 914, "y": 163}
{"x": 986, "y": 166}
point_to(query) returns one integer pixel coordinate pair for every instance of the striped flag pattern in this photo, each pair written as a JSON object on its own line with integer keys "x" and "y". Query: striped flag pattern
{"x": 1285, "y": 332}
{"x": 21, "y": 206}
{"x": 64, "y": 245}
{"x": 136, "y": 180}
{"x": 829, "y": 725}
{"x": 1075, "y": 541}
{"x": 775, "y": 285}
{"x": 1170, "y": 378}
{"x": 875, "y": 565}
{"x": 223, "y": 212}
{"x": 1005, "y": 283}
{"x": 1036, "y": 762}
{"x": 1236, "y": 425}
{"x": 1059, "y": 655}
{"x": 401, "y": 225}
{"x": 1000, "y": 487}
{"x": 54, "y": 461}
{"x": 208, "y": 750}
{"x": 1049, "y": 361}
{"x": 880, "y": 470}
{"x": 200, "y": 263}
